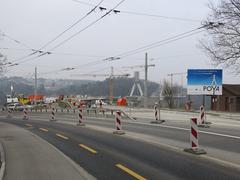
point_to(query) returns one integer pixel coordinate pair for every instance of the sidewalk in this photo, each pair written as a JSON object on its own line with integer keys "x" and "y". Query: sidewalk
{"x": 29, "y": 157}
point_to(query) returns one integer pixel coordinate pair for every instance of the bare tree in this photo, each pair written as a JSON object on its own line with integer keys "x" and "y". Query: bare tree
{"x": 3, "y": 60}
{"x": 169, "y": 92}
{"x": 222, "y": 41}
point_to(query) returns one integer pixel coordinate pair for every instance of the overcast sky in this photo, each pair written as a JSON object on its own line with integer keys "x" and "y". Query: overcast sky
{"x": 36, "y": 22}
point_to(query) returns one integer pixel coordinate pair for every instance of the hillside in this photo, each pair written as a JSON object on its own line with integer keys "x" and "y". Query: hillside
{"x": 50, "y": 87}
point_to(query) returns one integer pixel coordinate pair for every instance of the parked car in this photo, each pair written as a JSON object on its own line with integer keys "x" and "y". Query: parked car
{"x": 19, "y": 107}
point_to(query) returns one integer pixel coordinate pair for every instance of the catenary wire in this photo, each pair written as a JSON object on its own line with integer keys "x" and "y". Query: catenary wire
{"x": 74, "y": 24}
{"x": 66, "y": 40}
{"x": 13, "y": 39}
{"x": 163, "y": 43}
{"x": 141, "y": 14}
{"x": 88, "y": 26}
{"x": 49, "y": 42}
{"x": 153, "y": 45}
{"x": 135, "y": 51}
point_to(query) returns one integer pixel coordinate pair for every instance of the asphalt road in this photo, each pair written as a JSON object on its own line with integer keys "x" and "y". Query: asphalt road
{"x": 108, "y": 156}
{"x": 223, "y": 138}
{"x": 180, "y": 134}
{"x": 226, "y": 128}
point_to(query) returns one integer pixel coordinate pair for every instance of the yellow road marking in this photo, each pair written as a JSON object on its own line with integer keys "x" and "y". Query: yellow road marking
{"x": 129, "y": 171}
{"x": 29, "y": 125}
{"x": 62, "y": 136}
{"x": 42, "y": 129}
{"x": 88, "y": 148}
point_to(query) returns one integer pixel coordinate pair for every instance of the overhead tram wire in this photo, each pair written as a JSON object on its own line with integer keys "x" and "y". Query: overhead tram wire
{"x": 15, "y": 49}
{"x": 163, "y": 43}
{"x": 153, "y": 45}
{"x": 143, "y": 48}
{"x": 118, "y": 11}
{"x": 94, "y": 22}
{"x": 56, "y": 53}
{"x": 13, "y": 63}
{"x": 159, "y": 16}
{"x": 66, "y": 40}
{"x": 16, "y": 41}
{"x": 74, "y": 24}
{"x": 175, "y": 56}
{"x": 21, "y": 43}
{"x": 91, "y": 72}
{"x": 83, "y": 2}
{"x": 94, "y": 63}
{"x": 88, "y": 26}
{"x": 49, "y": 42}
{"x": 169, "y": 40}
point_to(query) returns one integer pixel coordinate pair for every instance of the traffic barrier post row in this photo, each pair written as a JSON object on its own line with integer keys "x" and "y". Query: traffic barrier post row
{"x": 194, "y": 137}
{"x": 118, "y": 124}
{"x": 118, "y": 116}
{"x": 202, "y": 118}
{"x": 25, "y": 114}
{"x": 52, "y": 115}
{"x": 80, "y": 117}
{"x": 157, "y": 115}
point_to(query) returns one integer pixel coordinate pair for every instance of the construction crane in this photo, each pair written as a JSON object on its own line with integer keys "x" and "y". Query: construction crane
{"x": 174, "y": 74}
{"x": 110, "y": 76}
{"x": 138, "y": 66}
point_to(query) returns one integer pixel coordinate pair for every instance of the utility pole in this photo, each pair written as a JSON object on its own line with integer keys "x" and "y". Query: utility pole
{"x": 171, "y": 84}
{"x": 159, "y": 100}
{"x": 111, "y": 86}
{"x": 145, "y": 82}
{"x": 171, "y": 80}
{"x": 35, "y": 87}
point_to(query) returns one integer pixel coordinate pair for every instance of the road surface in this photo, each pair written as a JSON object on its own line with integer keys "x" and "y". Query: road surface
{"x": 108, "y": 156}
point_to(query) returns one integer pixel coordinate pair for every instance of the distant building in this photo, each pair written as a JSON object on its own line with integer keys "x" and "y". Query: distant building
{"x": 229, "y": 101}
{"x": 11, "y": 99}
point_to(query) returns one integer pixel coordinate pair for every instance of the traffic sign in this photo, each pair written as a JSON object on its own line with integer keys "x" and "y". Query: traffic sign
{"x": 204, "y": 82}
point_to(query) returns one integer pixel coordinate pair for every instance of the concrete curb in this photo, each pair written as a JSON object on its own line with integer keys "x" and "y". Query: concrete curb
{"x": 2, "y": 159}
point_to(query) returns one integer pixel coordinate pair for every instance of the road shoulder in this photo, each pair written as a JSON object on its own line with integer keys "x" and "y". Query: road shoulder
{"x": 30, "y": 157}
{"x": 2, "y": 161}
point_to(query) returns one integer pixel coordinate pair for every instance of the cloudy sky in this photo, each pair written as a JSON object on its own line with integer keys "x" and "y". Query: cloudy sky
{"x": 33, "y": 23}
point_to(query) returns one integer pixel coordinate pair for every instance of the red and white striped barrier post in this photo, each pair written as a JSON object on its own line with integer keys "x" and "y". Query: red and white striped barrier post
{"x": 155, "y": 112}
{"x": 52, "y": 115}
{"x": 202, "y": 119}
{"x": 156, "y": 115}
{"x": 194, "y": 136}
{"x": 118, "y": 124}
{"x": 202, "y": 115}
{"x": 25, "y": 114}
{"x": 80, "y": 116}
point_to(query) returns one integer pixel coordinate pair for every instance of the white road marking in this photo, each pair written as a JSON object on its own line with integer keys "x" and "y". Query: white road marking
{"x": 186, "y": 129}
{"x": 225, "y": 124}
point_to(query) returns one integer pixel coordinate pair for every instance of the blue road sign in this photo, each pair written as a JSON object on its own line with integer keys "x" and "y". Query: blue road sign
{"x": 204, "y": 82}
